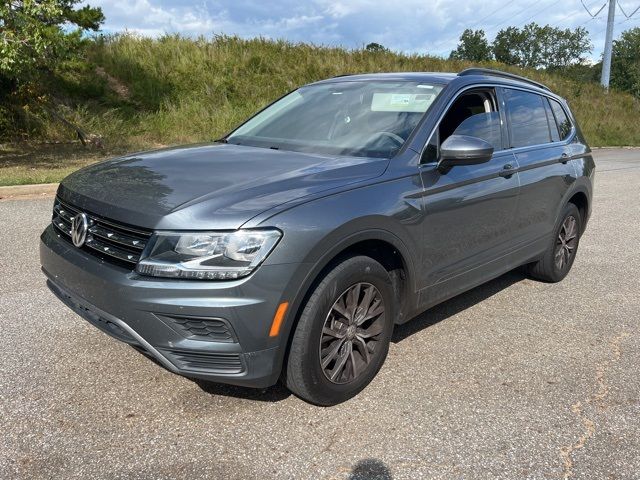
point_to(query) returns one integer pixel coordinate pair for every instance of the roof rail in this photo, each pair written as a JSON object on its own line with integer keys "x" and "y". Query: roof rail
{"x": 499, "y": 73}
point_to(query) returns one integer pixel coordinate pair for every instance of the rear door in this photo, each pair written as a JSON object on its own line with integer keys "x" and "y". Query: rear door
{"x": 540, "y": 143}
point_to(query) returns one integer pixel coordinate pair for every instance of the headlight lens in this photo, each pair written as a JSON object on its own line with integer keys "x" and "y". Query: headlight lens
{"x": 207, "y": 255}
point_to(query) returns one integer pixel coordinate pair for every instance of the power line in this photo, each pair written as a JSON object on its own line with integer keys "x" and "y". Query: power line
{"x": 574, "y": 14}
{"x": 625, "y": 13}
{"x": 492, "y": 27}
{"x": 520, "y": 12}
{"x": 494, "y": 12}
{"x": 475, "y": 24}
{"x": 615, "y": 25}
{"x": 593, "y": 15}
{"x": 540, "y": 11}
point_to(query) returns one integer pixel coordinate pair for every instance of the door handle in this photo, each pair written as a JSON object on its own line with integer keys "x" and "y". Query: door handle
{"x": 507, "y": 171}
{"x": 564, "y": 158}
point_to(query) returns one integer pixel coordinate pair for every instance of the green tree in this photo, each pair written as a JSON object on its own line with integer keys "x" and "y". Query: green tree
{"x": 375, "y": 47}
{"x": 625, "y": 64}
{"x": 536, "y": 46}
{"x": 35, "y": 35}
{"x": 36, "y": 38}
{"x": 473, "y": 46}
{"x": 506, "y": 46}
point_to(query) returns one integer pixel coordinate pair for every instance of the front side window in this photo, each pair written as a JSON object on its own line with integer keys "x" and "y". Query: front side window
{"x": 486, "y": 126}
{"x": 527, "y": 118}
{"x": 475, "y": 114}
{"x": 562, "y": 120}
{"x": 354, "y": 118}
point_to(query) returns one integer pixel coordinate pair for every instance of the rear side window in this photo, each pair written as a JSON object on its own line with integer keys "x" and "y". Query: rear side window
{"x": 562, "y": 120}
{"x": 527, "y": 118}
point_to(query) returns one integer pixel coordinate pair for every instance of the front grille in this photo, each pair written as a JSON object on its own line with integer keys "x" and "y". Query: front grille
{"x": 211, "y": 329}
{"x": 111, "y": 241}
{"x": 225, "y": 363}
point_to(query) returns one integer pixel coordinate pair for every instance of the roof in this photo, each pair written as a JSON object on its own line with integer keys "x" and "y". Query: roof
{"x": 470, "y": 74}
{"x": 434, "y": 77}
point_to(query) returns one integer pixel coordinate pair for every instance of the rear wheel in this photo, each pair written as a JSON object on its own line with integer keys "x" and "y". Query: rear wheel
{"x": 343, "y": 334}
{"x": 559, "y": 257}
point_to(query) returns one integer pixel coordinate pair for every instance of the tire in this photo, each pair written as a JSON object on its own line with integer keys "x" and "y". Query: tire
{"x": 552, "y": 268}
{"x": 312, "y": 373}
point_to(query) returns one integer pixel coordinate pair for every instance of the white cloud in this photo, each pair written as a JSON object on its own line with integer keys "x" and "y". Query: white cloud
{"x": 404, "y": 25}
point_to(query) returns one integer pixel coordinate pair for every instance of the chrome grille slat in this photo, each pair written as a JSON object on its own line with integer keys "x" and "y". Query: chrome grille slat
{"x": 110, "y": 235}
{"x": 62, "y": 226}
{"x": 112, "y": 250}
{"x": 110, "y": 240}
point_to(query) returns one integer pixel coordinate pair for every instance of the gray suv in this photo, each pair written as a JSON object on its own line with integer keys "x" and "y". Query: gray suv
{"x": 290, "y": 247}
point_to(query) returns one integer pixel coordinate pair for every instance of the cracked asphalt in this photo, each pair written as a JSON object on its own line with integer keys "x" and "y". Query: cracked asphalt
{"x": 515, "y": 379}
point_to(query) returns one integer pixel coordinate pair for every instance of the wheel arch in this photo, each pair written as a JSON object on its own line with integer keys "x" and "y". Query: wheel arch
{"x": 381, "y": 245}
{"x": 580, "y": 196}
{"x": 580, "y": 200}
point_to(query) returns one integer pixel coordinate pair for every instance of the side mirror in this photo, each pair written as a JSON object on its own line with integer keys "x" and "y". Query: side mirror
{"x": 463, "y": 150}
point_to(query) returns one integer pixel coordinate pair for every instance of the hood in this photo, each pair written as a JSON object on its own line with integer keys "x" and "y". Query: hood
{"x": 212, "y": 186}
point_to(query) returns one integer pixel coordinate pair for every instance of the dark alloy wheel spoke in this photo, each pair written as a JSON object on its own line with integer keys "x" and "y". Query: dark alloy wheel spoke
{"x": 566, "y": 243}
{"x": 350, "y": 332}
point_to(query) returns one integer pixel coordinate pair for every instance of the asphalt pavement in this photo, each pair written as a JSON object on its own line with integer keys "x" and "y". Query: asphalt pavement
{"x": 514, "y": 379}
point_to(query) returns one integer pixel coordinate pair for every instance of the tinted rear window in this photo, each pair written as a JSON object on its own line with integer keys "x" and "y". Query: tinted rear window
{"x": 562, "y": 120}
{"x": 527, "y": 117}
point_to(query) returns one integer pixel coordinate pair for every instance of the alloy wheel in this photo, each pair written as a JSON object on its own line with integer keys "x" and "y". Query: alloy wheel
{"x": 566, "y": 242}
{"x": 351, "y": 332}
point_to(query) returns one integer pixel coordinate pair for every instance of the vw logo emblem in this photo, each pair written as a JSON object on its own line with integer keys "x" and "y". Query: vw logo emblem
{"x": 79, "y": 227}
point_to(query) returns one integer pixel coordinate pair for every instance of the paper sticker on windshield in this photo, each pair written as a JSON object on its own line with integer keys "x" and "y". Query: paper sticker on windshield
{"x": 401, "y": 102}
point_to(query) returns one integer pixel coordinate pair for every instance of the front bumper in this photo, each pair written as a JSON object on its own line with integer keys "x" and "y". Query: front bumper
{"x": 217, "y": 331}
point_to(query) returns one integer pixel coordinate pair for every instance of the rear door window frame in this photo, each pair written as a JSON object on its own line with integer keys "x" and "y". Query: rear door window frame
{"x": 567, "y": 140}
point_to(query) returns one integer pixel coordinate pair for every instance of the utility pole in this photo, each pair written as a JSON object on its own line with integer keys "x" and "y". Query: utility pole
{"x": 608, "y": 46}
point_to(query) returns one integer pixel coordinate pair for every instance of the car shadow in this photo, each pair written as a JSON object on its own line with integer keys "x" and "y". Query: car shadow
{"x": 275, "y": 393}
{"x": 370, "y": 469}
{"x": 456, "y": 305}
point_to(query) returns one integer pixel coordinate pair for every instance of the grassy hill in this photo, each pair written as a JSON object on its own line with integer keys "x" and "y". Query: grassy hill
{"x": 138, "y": 93}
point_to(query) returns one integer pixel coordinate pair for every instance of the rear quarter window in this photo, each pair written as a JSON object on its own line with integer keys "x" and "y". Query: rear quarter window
{"x": 527, "y": 118}
{"x": 562, "y": 120}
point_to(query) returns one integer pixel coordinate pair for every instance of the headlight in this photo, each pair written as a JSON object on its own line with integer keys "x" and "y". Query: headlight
{"x": 207, "y": 255}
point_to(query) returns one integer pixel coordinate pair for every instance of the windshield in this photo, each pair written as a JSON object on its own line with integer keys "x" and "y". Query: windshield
{"x": 365, "y": 119}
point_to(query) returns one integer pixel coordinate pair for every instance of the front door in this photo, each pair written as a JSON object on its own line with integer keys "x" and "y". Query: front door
{"x": 469, "y": 210}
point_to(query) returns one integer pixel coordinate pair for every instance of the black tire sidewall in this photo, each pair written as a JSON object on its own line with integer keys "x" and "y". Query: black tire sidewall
{"x": 346, "y": 274}
{"x": 558, "y": 274}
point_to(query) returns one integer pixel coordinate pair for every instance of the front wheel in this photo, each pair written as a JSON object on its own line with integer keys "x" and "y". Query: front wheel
{"x": 559, "y": 257}
{"x": 343, "y": 335}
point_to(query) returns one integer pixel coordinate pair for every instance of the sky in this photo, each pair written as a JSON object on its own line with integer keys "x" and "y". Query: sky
{"x": 409, "y": 26}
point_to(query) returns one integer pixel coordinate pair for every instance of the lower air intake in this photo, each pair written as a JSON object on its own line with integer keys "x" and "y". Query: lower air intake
{"x": 224, "y": 363}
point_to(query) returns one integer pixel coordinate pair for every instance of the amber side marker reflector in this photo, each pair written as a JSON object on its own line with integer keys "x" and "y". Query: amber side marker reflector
{"x": 277, "y": 319}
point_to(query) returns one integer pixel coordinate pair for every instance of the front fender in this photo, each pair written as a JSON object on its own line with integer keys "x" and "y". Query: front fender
{"x": 318, "y": 231}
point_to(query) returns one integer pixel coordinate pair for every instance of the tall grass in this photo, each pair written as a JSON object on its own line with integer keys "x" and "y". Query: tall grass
{"x": 142, "y": 92}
